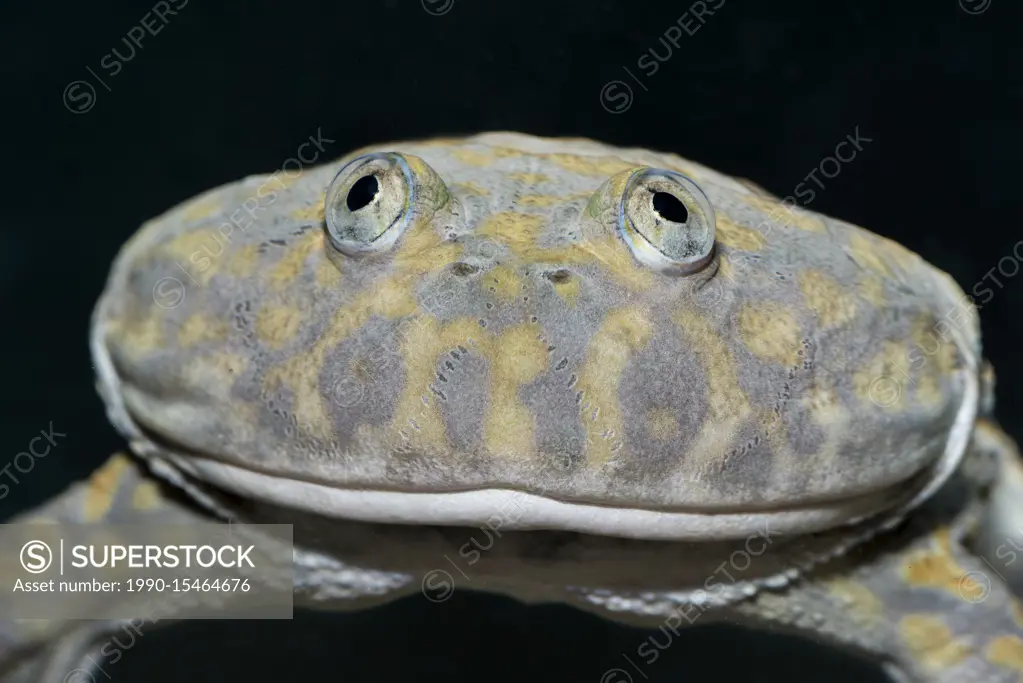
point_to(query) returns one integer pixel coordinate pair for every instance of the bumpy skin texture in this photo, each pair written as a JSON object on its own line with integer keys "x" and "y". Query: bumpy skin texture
{"x": 916, "y": 599}
{"x": 811, "y": 361}
{"x": 510, "y": 340}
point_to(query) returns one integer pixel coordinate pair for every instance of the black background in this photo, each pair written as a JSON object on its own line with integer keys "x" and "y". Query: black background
{"x": 228, "y": 89}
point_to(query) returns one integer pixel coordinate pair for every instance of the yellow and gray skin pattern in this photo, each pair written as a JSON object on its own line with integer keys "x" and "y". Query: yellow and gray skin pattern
{"x": 624, "y": 365}
{"x": 120, "y": 492}
{"x": 913, "y": 599}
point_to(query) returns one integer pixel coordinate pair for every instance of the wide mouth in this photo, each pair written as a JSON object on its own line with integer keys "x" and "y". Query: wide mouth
{"x": 525, "y": 510}
{"x": 513, "y": 509}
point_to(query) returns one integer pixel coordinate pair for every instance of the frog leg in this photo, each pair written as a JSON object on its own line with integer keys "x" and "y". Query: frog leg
{"x": 999, "y": 538}
{"x": 59, "y": 651}
{"x": 915, "y": 600}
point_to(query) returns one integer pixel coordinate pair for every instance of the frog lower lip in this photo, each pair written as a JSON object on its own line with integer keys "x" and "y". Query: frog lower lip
{"x": 532, "y": 511}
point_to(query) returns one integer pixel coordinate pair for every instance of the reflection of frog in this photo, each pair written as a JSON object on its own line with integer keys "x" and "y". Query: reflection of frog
{"x": 607, "y": 339}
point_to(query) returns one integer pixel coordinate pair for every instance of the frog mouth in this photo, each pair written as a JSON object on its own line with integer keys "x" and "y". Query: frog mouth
{"x": 522, "y": 510}
{"x": 181, "y": 466}
{"x": 198, "y": 472}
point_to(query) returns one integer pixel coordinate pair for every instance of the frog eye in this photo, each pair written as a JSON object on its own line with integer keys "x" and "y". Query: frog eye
{"x": 368, "y": 203}
{"x": 667, "y": 221}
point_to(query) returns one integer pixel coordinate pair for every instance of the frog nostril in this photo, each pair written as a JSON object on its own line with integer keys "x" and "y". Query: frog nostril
{"x": 559, "y": 276}
{"x": 362, "y": 193}
{"x": 463, "y": 269}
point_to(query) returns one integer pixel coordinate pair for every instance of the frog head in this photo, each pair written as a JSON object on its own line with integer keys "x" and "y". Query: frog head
{"x": 616, "y": 341}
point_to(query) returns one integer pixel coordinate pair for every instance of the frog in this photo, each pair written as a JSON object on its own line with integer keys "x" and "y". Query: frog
{"x": 608, "y": 377}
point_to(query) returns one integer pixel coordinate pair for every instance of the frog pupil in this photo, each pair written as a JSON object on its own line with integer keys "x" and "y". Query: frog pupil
{"x": 669, "y": 207}
{"x": 362, "y": 192}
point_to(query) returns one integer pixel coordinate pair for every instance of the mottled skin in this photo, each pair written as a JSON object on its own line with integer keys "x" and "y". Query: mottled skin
{"x": 1000, "y": 536}
{"x": 740, "y": 388}
{"x": 809, "y": 386}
